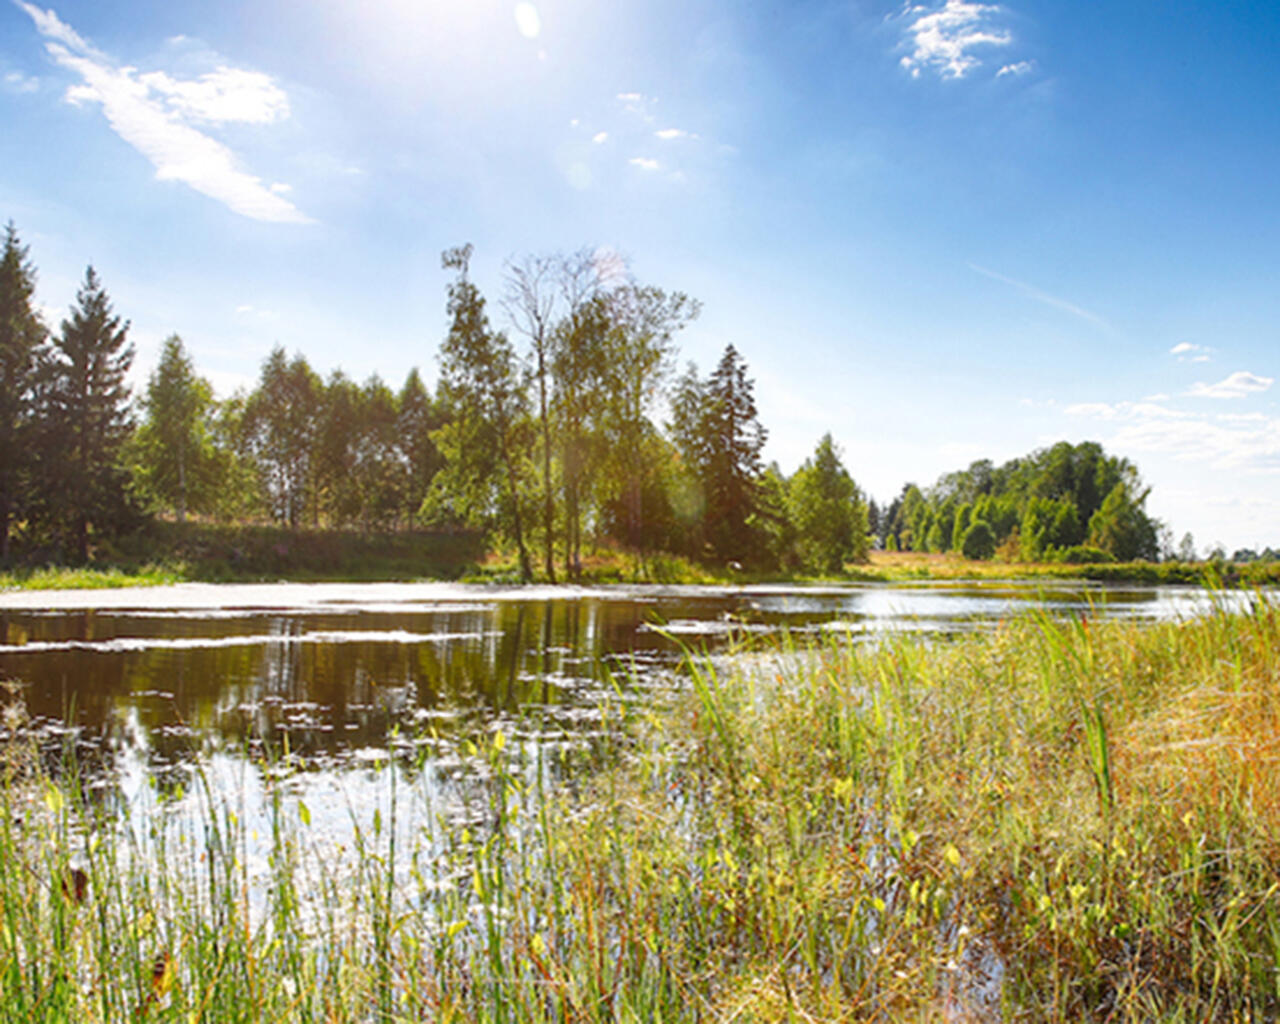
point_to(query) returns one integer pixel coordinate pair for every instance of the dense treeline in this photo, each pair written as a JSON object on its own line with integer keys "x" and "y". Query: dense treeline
{"x": 545, "y": 437}
{"x": 549, "y": 442}
{"x": 1067, "y": 502}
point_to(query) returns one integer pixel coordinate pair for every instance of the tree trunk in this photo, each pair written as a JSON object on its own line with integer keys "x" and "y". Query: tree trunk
{"x": 526, "y": 570}
{"x": 5, "y": 514}
{"x": 81, "y": 536}
{"x": 548, "y": 506}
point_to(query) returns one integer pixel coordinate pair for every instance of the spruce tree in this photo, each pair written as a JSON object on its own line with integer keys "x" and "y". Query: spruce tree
{"x": 22, "y": 336}
{"x": 86, "y": 418}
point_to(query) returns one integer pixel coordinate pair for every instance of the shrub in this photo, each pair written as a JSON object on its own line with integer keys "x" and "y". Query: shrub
{"x": 979, "y": 541}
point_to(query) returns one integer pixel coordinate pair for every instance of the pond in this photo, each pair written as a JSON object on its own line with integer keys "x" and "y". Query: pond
{"x": 315, "y": 733}
{"x": 157, "y": 677}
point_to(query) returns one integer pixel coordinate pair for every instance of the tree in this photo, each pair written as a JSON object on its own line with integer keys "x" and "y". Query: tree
{"x": 22, "y": 338}
{"x": 579, "y": 401}
{"x": 333, "y": 457}
{"x": 1122, "y": 527}
{"x": 174, "y": 442}
{"x": 979, "y": 542}
{"x": 281, "y": 423}
{"x": 416, "y": 420}
{"x": 86, "y": 417}
{"x": 828, "y": 512}
{"x": 480, "y": 383}
{"x": 642, "y": 322}
{"x": 714, "y": 423}
{"x": 530, "y": 302}
{"x": 380, "y": 473}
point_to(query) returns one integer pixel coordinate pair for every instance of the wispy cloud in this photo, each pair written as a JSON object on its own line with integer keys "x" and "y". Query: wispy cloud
{"x": 1187, "y": 352}
{"x": 1240, "y": 384}
{"x": 1044, "y": 297}
{"x": 153, "y": 113}
{"x": 1023, "y": 67}
{"x": 16, "y": 81}
{"x": 600, "y": 137}
{"x": 645, "y": 163}
{"x": 1249, "y": 443}
{"x": 639, "y": 104}
{"x": 943, "y": 38}
{"x": 668, "y": 134}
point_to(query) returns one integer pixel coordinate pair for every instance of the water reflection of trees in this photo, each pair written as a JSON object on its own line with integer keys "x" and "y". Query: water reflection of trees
{"x": 325, "y": 697}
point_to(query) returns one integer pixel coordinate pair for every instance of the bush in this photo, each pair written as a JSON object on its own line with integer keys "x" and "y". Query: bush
{"x": 1082, "y": 554}
{"x": 979, "y": 542}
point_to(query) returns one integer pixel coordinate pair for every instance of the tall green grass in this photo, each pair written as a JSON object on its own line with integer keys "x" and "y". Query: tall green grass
{"x": 1056, "y": 821}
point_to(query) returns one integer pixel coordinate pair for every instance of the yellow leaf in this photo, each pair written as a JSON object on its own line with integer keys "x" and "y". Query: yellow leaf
{"x": 952, "y": 855}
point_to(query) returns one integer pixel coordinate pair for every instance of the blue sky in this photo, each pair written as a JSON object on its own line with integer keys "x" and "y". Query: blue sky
{"x": 941, "y": 231}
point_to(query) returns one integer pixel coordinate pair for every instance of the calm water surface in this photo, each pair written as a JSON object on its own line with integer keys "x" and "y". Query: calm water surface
{"x": 157, "y": 676}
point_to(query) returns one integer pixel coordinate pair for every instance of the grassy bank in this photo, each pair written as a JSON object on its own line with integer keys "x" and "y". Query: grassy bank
{"x": 1053, "y": 822}
{"x": 168, "y": 552}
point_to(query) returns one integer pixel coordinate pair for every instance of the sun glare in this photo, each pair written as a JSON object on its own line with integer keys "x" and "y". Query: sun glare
{"x": 528, "y": 21}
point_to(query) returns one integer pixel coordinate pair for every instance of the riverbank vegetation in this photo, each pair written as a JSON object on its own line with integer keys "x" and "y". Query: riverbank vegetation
{"x": 571, "y": 433}
{"x": 1058, "y": 821}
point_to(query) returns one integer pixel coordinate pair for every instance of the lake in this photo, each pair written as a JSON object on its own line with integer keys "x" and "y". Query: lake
{"x": 159, "y": 676}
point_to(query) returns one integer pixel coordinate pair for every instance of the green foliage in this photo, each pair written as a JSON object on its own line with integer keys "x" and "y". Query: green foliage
{"x": 867, "y": 818}
{"x": 22, "y": 339}
{"x": 1121, "y": 526}
{"x": 85, "y": 420}
{"x": 281, "y": 424}
{"x": 174, "y": 449}
{"x": 828, "y": 512}
{"x": 480, "y": 387}
{"x": 1081, "y": 554}
{"x": 979, "y": 541}
{"x": 716, "y": 427}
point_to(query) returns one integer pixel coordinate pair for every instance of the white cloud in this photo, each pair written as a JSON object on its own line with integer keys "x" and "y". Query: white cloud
{"x": 280, "y": 188}
{"x": 1019, "y": 69}
{"x": 1247, "y": 442}
{"x": 639, "y": 104}
{"x": 151, "y": 113}
{"x": 18, "y": 82}
{"x": 943, "y": 38}
{"x": 1240, "y": 384}
{"x": 645, "y": 163}
{"x": 227, "y": 94}
{"x": 1188, "y": 352}
{"x": 600, "y": 137}
{"x": 674, "y": 133}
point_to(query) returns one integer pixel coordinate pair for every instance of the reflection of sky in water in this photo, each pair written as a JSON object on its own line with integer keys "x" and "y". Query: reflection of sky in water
{"x": 334, "y": 668}
{"x": 335, "y": 697}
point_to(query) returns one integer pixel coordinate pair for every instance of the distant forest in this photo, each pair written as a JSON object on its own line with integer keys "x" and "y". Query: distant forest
{"x": 544, "y": 436}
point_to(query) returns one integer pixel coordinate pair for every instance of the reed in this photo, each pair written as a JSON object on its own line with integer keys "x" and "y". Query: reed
{"x": 1054, "y": 821}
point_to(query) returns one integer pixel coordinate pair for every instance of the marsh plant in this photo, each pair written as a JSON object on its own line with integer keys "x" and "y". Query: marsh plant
{"x": 1054, "y": 821}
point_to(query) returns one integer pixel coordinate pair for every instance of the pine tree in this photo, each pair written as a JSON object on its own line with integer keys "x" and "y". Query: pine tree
{"x": 86, "y": 418}
{"x": 22, "y": 336}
